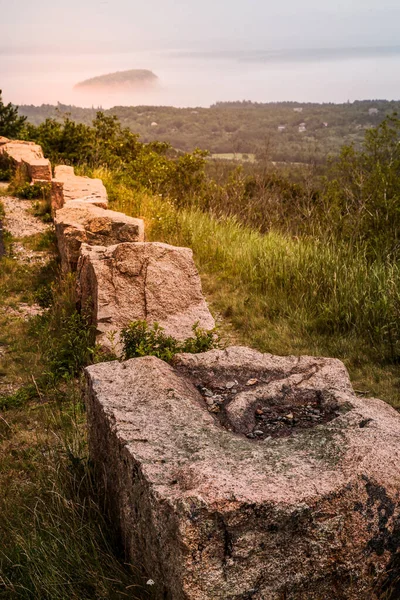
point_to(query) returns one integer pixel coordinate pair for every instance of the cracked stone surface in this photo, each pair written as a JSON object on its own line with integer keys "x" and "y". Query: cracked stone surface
{"x": 67, "y": 186}
{"x": 210, "y": 514}
{"x": 142, "y": 281}
{"x": 81, "y": 222}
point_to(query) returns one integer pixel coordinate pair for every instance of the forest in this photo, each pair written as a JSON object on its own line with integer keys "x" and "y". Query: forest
{"x": 283, "y": 132}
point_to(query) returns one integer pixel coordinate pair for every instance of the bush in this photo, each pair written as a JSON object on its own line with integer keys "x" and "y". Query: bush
{"x": 64, "y": 334}
{"x": 10, "y": 123}
{"x": 6, "y": 168}
{"x": 142, "y": 339}
{"x": 32, "y": 191}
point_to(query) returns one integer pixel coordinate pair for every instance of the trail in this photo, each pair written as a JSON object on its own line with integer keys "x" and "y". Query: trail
{"x": 16, "y": 303}
{"x": 21, "y": 223}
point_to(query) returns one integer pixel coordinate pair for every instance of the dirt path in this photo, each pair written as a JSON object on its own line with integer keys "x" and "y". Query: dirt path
{"x": 16, "y": 299}
{"x": 19, "y": 221}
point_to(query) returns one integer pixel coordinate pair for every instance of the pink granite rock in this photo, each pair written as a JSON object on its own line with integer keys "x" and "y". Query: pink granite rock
{"x": 39, "y": 169}
{"x": 27, "y": 156}
{"x": 209, "y": 514}
{"x": 68, "y": 186}
{"x": 82, "y": 222}
{"x": 142, "y": 281}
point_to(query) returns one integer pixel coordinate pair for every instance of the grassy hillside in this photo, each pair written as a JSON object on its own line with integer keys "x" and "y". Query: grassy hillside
{"x": 291, "y": 262}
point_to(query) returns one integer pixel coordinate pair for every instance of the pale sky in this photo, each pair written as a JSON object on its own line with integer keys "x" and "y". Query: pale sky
{"x": 74, "y": 25}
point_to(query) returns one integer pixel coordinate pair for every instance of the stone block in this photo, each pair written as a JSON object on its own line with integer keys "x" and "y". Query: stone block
{"x": 68, "y": 186}
{"x": 38, "y": 169}
{"x": 306, "y": 510}
{"x": 83, "y": 222}
{"x": 28, "y": 158}
{"x": 142, "y": 281}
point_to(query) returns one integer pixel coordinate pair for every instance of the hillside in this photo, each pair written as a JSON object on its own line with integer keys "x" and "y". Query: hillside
{"x": 286, "y": 131}
{"x": 120, "y": 79}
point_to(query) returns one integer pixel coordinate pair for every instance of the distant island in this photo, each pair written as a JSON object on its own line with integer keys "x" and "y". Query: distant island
{"x": 134, "y": 78}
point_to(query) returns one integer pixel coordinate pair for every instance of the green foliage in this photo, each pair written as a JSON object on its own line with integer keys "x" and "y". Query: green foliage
{"x": 317, "y": 288}
{"x": 364, "y": 196}
{"x": 11, "y": 123}
{"x": 234, "y": 128}
{"x": 106, "y": 143}
{"x": 31, "y": 191}
{"x": 6, "y": 168}
{"x": 19, "y": 398}
{"x": 42, "y": 210}
{"x": 142, "y": 339}
{"x": 44, "y": 295}
{"x": 65, "y": 334}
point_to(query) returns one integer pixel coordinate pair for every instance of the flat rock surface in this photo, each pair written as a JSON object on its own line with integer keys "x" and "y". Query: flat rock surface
{"x": 22, "y": 151}
{"x": 75, "y": 187}
{"x": 142, "y": 281}
{"x": 212, "y": 514}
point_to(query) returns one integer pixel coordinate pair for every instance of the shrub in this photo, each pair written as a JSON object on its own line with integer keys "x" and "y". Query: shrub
{"x": 32, "y": 191}
{"x": 6, "y": 168}
{"x": 11, "y": 123}
{"x": 64, "y": 334}
{"x": 142, "y": 339}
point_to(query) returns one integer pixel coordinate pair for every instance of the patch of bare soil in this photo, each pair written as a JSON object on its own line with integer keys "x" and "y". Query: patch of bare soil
{"x": 18, "y": 220}
{"x": 21, "y": 223}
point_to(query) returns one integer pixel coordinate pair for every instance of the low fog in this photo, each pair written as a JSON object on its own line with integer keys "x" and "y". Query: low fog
{"x": 201, "y": 52}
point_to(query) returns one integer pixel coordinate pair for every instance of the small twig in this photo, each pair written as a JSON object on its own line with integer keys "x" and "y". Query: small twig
{"x": 37, "y": 388}
{"x": 8, "y": 424}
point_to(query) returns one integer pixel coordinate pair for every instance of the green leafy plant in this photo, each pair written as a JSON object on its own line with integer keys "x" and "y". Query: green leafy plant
{"x": 33, "y": 191}
{"x": 142, "y": 339}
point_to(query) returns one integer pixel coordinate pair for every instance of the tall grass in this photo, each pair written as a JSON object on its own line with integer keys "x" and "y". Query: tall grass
{"x": 53, "y": 540}
{"x": 320, "y": 287}
{"x": 56, "y": 542}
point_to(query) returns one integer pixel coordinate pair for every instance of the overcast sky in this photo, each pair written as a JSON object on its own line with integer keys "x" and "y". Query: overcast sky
{"x": 197, "y": 24}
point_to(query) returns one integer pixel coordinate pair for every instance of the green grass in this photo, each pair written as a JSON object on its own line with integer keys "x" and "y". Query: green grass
{"x": 45, "y": 240}
{"x": 287, "y": 295}
{"x": 57, "y": 542}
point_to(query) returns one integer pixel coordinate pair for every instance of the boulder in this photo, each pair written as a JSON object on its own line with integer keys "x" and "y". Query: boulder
{"x": 309, "y": 510}
{"x": 3, "y": 140}
{"x": 83, "y": 222}
{"x": 29, "y": 157}
{"x": 68, "y": 186}
{"x": 141, "y": 281}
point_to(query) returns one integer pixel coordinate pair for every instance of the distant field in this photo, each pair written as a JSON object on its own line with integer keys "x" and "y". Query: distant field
{"x": 238, "y": 156}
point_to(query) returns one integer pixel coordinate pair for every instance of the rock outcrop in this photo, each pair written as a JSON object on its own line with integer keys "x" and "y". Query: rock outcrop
{"x": 27, "y": 156}
{"x": 68, "y": 186}
{"x": 142, "y": 281}
{"x": 81, "y": 222}
{"x": 212, "y": 511}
